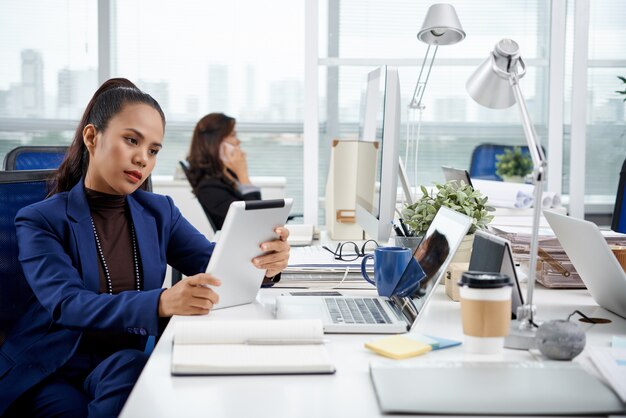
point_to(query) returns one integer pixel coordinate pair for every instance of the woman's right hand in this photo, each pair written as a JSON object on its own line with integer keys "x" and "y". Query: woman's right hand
{"x": 238, "y": 163}
{"x": 191, "y": 296}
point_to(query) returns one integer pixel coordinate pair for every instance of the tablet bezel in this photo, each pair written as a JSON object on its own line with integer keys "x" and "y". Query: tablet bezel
{"x": 246, "y": 226}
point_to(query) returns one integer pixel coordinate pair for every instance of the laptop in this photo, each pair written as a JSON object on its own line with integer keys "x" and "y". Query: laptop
{"x": 483, "y": 388}
{"x": 593, "y": 259}
{"x": 381, "y": 315}
{"x": 450, "y": 173}
{"x": 492, "y": 254}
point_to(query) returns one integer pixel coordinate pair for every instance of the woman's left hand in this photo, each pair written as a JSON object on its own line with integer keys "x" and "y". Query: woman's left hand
{"x": 276, "y": 255}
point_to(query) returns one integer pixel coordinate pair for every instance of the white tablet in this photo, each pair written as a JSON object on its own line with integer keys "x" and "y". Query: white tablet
{"x": 247, "y": 225}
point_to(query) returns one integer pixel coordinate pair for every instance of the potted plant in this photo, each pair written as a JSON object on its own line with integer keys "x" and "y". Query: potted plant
{"x": 513, "y": 165}
{"x": 456, "y": 195}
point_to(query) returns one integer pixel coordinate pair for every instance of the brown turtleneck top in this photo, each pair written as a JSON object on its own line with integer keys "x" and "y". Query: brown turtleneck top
{"x": 112, "y": 220}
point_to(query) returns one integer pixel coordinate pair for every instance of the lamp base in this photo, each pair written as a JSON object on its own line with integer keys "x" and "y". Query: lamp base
{"x": 520, "y": 337}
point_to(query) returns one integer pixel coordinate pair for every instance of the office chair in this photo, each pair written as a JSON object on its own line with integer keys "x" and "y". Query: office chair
{"x": 618, "y": 223}
{"x": 185, "y": 166}
{"x": 34, "y": 157}
{"x": 17, "y": 190}
{"x": 483, "y": 163}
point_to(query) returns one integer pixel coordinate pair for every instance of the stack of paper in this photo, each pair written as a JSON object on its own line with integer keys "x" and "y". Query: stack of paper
{"x": 514, "y": 195}
{"x": 316, "y": 259}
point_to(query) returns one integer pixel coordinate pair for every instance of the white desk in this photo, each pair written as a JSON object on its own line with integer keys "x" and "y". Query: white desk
{"x": 349, "y": 392}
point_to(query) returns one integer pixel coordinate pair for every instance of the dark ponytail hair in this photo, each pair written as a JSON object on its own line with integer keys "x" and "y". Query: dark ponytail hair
{"x": 106, "y": 102}
{"x": 204, "y": 152}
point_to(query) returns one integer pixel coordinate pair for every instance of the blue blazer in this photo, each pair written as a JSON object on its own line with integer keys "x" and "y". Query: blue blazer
{"x": 58, "y": 254}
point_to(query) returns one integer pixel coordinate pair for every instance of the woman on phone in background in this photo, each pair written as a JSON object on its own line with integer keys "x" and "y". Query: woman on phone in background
{"x": 218, "y": 169}
{"x": 95, "y": 254}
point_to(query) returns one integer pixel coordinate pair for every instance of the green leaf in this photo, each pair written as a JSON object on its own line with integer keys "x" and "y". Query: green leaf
{"x": 455, "y": 195}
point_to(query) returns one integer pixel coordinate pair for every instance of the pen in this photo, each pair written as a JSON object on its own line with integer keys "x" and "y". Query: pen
{"x": 399, "y": 231}
{"x": 404, "y": 228}
{"x": 266, "y": 341}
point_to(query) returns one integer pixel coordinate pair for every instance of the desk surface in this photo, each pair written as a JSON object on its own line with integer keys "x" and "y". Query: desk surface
{"x": 349, "y": 392}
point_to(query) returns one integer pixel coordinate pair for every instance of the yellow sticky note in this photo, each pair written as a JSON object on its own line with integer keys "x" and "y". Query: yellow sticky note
{"x": 398, "y": 347}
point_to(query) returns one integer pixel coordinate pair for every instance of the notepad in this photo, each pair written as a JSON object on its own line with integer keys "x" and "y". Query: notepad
{"x": 249, "y": 347}
{"x": 398, "y": 347}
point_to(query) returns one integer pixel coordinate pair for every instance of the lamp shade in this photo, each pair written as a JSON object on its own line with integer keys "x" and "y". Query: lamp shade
{"x": 489, "y": 85}
{"x": 441, "y": 26}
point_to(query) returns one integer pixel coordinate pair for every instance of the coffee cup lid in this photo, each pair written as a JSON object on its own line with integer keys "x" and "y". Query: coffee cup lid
{"x": 484, "y": 280}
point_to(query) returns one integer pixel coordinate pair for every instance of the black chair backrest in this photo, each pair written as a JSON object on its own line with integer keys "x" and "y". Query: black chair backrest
{"x": 34, "y": 158}
{"x": 185, "y": 166}
{"x": 618, "y": 223}
{"x": 17, "y": 190}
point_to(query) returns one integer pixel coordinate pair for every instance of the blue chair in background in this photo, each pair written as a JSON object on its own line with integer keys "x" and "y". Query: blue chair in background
{"x": 483, "y": 163}
{"x": 17, "y": 189}
{"x": 34, "y": 158}
{"x": 618, "y": 224}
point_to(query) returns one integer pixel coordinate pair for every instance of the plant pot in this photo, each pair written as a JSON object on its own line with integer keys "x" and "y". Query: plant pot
{"x": 464, "y": 253}
{"x": 513, "y": 179}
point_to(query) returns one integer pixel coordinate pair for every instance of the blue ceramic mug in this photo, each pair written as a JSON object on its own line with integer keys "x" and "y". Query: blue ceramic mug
{"x": 389, "y": 264}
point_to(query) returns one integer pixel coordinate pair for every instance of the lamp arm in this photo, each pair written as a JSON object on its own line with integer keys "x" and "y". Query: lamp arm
{"x": 536, "y": 152}
{"x": 539, "y": 176}
{"x": 420, "y": 86}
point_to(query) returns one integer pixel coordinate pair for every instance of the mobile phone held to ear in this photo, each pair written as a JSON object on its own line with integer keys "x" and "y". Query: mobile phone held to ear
{"x": 226, "y": 150}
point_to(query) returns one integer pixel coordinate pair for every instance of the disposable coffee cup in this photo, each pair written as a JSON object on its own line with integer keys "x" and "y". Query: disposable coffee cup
{"x": 485, "y": 310}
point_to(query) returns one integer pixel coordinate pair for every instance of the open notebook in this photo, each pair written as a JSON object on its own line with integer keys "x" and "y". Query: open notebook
{"x": 208, "y": 347}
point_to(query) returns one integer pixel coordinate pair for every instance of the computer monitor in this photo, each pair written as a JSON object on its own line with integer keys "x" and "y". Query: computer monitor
{"x": 380, "y": 122}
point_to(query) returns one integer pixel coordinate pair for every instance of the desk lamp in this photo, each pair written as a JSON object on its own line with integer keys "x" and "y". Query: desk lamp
{"x": 495, "y": 84}
{"x": 441, "y": 27}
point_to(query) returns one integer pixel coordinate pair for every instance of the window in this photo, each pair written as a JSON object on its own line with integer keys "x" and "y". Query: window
{"x": 246, "y": 58}
{"x": 241, "y": 58}
{"x": 606, "y": 121}
{"x": 49, "y": 52}
{"x": 366, "y": 34}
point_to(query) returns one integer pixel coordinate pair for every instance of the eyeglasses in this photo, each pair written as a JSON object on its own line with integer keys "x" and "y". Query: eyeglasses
{"x": 350, "y": 251}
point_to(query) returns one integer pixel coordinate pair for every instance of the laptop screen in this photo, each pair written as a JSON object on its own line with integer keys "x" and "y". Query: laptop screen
{"x": 491, "y": 253}
{"x": 430, "y": 260}
{"x": 450, "y": 173}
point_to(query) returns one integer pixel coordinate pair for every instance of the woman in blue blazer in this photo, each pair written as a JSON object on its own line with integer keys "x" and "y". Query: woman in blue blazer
{"x": 95, "y": 255}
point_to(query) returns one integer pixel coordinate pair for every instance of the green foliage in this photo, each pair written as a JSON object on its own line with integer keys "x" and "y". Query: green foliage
{"x": 622, "y": 92}
{"x": 513, "y": 163}
{"x": 455, "y": 195}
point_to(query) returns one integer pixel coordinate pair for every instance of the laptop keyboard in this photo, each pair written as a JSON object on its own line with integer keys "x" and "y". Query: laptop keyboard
{"x": 356, "y": 311}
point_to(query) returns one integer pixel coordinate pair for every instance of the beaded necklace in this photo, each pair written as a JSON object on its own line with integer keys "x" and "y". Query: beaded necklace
{"x": 105, "y": 267}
